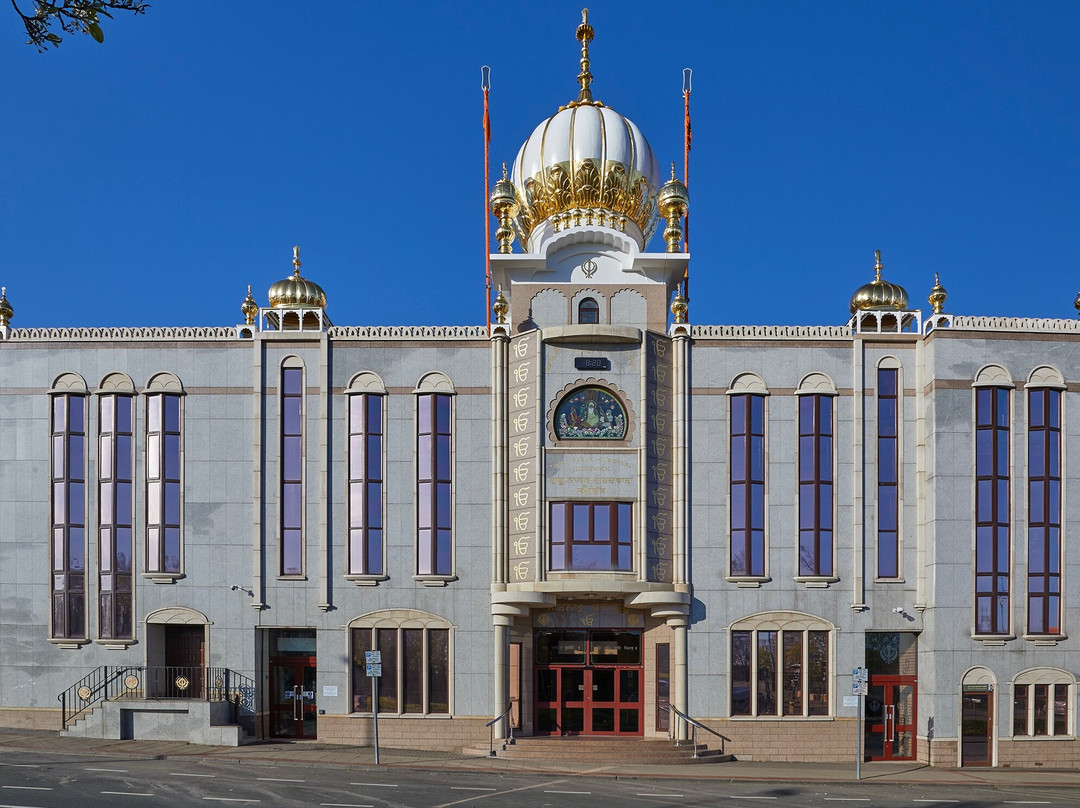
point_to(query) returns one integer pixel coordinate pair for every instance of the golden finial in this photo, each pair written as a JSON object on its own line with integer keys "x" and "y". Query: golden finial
{"x": 878, "y": 266}
{"x": 673, "y": 201}
{"x": 296, "y": 260}
{"x": 504, "y": 204}
{"x": 1076, "y": 303}
{"x": 249, "y": 308}
{"x": 585, "y": 36}
{"x": 501, "y": 307}
{"x": 938, "y": 295}
{"x": 6, "y": 311}
{"x": 678, "y": 307}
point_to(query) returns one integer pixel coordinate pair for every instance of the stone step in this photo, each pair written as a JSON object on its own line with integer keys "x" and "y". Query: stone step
{"x": 604, "y": 750}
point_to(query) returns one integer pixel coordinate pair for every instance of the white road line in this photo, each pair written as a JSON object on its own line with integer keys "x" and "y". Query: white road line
{"x": 658, "y": 795}
{"x": 128, "y": 793}
{"x": 280, "y": 780}
{"x": 567, "y": 792}
{"x": 345, "y": 805}
{"x": 21, "y": 765}
{"x": 185, "y": 774}
{"x": 1028, "y": 802}
{"x": 376, "y": 785}
{"x": 847, "y": 799}
{"x": 935, "y": 800}
{"x": 92, "y": 769}
{"x": 229, "y": 799}
{"x": 30, "y": 788}
{"x": 470, "y": 788}
{"x": 749, "y": 797}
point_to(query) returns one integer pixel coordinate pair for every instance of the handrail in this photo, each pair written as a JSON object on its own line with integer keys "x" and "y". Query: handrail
{"x": 695, "y": 724}
{"x": 509, "y": 739}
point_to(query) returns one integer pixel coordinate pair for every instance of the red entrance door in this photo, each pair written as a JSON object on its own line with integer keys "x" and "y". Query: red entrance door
{"x": 591, "y": 683}
{"x": 890, "y": 718}
{"x": 292, "y": 697}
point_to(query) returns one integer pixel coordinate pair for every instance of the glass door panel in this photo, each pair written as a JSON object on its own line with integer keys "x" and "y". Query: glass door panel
{"x": 572, "y": 696}
{"x": 975, "y": 728}
{"x": 890, "y": 718}
{"x": 603, "y": 699}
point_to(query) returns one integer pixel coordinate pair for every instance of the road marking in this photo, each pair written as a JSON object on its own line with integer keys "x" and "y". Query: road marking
{"x": 567, "y": 792}
{"x": 935, "y": 800}
{"x": 30, "y": 788}
{"x": 376, "y": 785}
{"x": 847, "y": 799}
{"x": 470, "y": 788}
{"x": 92, "y": 769}
{"x": 185, "y": 774}
{"x": 749, "y": 797}
{"x": 280, "y": 780}
{"x": 345, "y": 805}
{"x": 229, "y": 799}
{"x": 128, "y": 793}
{"x": 1028, "y": 802}
{"x": 658, "y": 795}
{"x": 21, "y": 765}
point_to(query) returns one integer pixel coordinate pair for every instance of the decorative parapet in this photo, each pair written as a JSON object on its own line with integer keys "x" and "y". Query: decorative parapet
{"x": 770, "y": 332}
{"x": 114, "y": 334}
{"x": 961, "y": 323}
{"x": 447, "y": 332}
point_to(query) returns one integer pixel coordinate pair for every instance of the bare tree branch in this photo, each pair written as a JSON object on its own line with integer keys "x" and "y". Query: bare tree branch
{"x": 71, "y": 16}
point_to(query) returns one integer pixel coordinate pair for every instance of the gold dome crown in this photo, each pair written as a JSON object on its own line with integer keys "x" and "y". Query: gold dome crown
{"x": 6, "y": 310}
{"x": 297, "y": 291}
{"x": 879, "y": 294}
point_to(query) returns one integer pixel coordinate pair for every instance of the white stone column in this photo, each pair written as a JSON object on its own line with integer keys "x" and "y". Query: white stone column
{"x": 500, "y": 691}
{"x": 680, "y": 683}
{"x": 680, "y": 679}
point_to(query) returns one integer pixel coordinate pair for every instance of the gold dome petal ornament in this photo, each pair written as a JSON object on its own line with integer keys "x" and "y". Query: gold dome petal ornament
{"x": 6, "y": 310}
{"x": 297, "y": 291}
{"x": 879, "y": 294}
{"x": 938, "y": 296}
{"x": 249, "y": 308}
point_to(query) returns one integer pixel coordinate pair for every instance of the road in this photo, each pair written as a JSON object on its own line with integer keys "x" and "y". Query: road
{"x": 38, "y": 780}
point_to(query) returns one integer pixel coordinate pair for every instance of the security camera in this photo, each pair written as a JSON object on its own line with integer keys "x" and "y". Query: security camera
{"x": 898, "y": 610}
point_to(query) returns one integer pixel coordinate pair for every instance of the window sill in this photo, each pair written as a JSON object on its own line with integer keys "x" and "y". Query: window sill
{"x": 748, "y": 581}
{"x": 1042, "y": 738}
{"x": 1048, "y": 640}
{"x": 115, "y": 645}
{"x": 889, "y": 581}
{"x": 816, "y": 581}
{"x": 367, "y": 580}
{"x": 291, "y": 577}
{"x": 411, "y": 716}
{"x": 782, "y": 718}
{"x": 990, "y": 640}
{"x": 163, "y": 577}
{"x": 435, "y": 580}
{"x": 69, "y": 643}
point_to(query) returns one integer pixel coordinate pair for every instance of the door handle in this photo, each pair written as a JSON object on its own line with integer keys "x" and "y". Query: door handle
{"x": 890, "y": 723}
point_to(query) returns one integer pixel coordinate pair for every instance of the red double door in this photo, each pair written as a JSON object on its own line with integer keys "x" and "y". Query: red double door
{"x": 891, "y": 709}
{"x": 589, "y": 697}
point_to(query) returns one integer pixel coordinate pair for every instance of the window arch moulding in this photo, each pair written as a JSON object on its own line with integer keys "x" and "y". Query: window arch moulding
{"x": 748, "y": 383}
{"x": 1046, "y": 376}
{"x": 993, "y": 376}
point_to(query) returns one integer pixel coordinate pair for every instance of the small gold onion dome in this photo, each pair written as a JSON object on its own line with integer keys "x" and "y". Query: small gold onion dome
{"x": 673, "y": 199}
{"x": 249, "y": 308}
{"x": 503, "y": 197}
{"x": 297, "y": 291}
{"x": 678, "y": 307}
{"x": 938, "y": 296}
{"x": 501, "y": 307}
{"x": 1076, "y": 303}
{"x": 879, "y": 294}
{"x": 6, "y": 311}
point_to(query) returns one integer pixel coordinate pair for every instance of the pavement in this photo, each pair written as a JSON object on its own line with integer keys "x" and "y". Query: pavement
{"x": 314, "y": 754}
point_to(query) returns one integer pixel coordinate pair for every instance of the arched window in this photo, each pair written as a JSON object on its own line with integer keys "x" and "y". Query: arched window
{"x": 993, "y": 460}
{"x": 68, "y": 474}
{"x": 116, "y": 502}
{"x": 1041, "y": 703}
{"x": 416, "y": 650}
{"x": 588, "y": 311}
{"x": 366, "y": 395}
{"x": 434, "y": 476}
{"x": 816, "y": 499}
{"x": 291, "y": 400}
{"x": 746, "y": 398}
{"x": 164, "y": 477}
{"x": 1044, "y": 501}
{"x": 889, "y": 396}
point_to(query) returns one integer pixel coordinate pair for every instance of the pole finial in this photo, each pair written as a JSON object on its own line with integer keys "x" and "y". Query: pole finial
{"x": 585, "y": 36}
{"x": 878, "y": 266}
{"x": 296, "y": 259}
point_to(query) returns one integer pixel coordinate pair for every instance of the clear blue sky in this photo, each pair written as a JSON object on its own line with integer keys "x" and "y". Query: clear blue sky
{"x": 148, "y": 180}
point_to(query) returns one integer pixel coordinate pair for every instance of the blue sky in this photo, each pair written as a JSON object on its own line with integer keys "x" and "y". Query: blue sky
{"x": 148, "y": 180}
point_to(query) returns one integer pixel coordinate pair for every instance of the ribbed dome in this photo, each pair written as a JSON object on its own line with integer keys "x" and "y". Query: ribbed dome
{"x": 296, "y": 291}
{"x": 591, "y": 159}
{"x": 879, "y": 294}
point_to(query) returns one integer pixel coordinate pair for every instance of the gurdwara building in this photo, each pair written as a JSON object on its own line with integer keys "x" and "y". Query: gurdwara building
{"x": 591, "y": 517}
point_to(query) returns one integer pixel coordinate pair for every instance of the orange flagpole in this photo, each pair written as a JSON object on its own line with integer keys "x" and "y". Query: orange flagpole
{"x": 485, "y": 85}
{"x": 687, "y": 73}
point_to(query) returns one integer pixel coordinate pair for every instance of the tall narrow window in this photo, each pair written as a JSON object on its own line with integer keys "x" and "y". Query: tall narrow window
{"x": 163, "y": 467}
{"x": 115, "y": 504}
{"x": 69, "y": 516}
{"x": 434, "y": 483}
{"x": 888, "y": 494}
{"x": 292, "y": 471}
{"x": 1044, "y": 511}
{"x": 747, "y": 455}
{"x": 815, "y": 485}
{"x": 365, "y": 484}
{"x": 992, "y": 543}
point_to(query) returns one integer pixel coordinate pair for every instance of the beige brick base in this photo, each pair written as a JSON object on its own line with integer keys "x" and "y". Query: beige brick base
{"x": 444, "y": 734}
{"x": 30, "y": 718}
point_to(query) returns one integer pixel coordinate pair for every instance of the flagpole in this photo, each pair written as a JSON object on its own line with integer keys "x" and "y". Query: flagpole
{"x": 485, "y": 85}
{"x": 687, "y": 74}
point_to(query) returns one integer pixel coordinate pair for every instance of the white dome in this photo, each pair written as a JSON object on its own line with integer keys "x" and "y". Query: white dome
{"x": 587, "y": 162}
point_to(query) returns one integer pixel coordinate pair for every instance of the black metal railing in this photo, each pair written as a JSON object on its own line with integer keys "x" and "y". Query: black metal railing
{"x": 673, "y": 735}
{"x": 111, "y": 682}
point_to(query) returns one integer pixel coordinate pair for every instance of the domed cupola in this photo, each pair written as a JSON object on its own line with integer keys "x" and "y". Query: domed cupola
{"x": 879, "y": 294}
{"x": 586, "y": 165}
{"x": 296, "y": 291}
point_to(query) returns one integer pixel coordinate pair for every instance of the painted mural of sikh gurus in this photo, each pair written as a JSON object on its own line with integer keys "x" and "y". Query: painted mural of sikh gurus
{"x": 590, "y": 413}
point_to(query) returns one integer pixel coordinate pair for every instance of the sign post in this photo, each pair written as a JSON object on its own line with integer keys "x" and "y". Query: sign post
{"x": 860, "y": 686}
{"x": 373, "y": 660}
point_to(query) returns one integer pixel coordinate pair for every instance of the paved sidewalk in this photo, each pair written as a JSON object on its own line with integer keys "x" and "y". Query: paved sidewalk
{"x": 309, "y": 753}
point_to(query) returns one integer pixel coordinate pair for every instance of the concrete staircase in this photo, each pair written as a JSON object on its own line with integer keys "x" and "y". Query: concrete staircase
{"x": 605, "y": 750}
{"x": 190, "y": 720}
